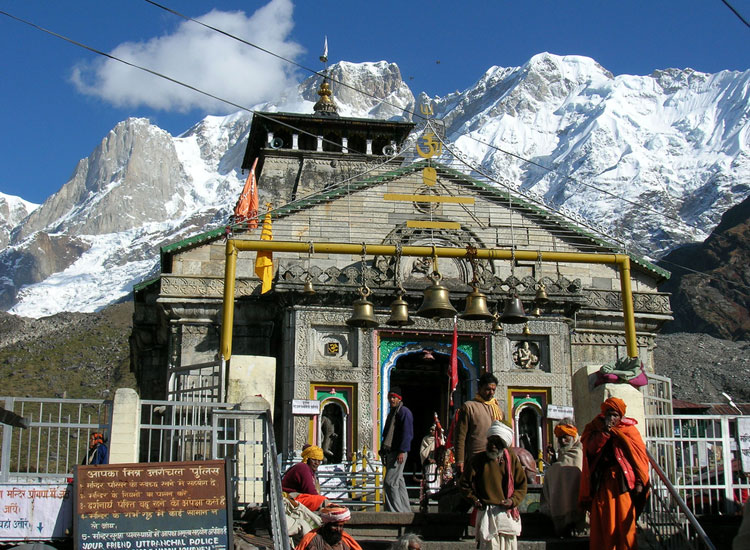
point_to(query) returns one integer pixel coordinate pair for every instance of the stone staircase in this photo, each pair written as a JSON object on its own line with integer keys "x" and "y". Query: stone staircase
{"x": 448, "y": 531}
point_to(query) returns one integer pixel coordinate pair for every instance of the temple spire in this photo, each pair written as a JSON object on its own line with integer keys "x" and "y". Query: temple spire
{"x": 325, "y": 106}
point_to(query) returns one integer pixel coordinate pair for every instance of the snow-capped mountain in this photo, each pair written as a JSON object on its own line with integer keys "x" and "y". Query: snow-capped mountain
{"x": 12, "y": 211}
{"x": 657, "y": 159}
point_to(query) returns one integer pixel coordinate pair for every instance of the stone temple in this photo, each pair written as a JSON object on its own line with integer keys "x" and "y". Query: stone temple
{"x": 366, "y": 182}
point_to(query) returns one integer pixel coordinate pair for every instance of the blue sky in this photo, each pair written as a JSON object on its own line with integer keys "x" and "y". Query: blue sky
{"x": 59, "y": 100}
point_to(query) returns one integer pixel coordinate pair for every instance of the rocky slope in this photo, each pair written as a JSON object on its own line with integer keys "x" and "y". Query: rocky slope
{"x": 73, "y": 355}
{"x": 712, "y": 295}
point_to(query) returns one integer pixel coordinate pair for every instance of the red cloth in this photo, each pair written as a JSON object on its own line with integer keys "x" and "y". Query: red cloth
{"x": 311, "y": 502}
{"x": 454, "y": 360}
{"x": 246, "y": 208}
{"x": 345, "y": 537}
{"x": 299, "y": 479}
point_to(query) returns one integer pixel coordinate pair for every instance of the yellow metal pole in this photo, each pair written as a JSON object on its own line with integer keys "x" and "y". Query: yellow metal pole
{"x": 358, "y": 249}
{"x": 228, "y": 319}
{"x": 627, "y": 307}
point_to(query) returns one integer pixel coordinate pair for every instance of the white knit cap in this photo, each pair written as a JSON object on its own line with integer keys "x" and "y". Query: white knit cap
{"x": 502, "y": 430}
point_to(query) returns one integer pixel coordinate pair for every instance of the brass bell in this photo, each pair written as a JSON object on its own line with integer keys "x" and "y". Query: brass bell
{"x": 399, "y": 313}
{"x": 513, "y": 312}
{"x": 541, "y": 297}
{"x": 363, "y": 315}
{"x": 526, "y": 330}
{"x": 436, "y": 303}
{"x": 537, "y": 311}
{"x": 476, "y": 307}
{"x": 308, "y": 290}
{"x": 496, "y": 326}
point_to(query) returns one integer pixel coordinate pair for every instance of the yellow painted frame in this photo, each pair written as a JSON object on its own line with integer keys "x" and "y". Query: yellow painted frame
{"x": 233, "y": 246}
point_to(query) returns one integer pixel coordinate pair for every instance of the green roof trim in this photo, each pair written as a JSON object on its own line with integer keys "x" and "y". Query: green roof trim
{"x": 145, "y": 284}
{"x": 326, "y": 196}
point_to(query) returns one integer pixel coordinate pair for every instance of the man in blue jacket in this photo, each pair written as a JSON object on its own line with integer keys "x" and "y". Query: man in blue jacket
{"x": 394, "y": 448}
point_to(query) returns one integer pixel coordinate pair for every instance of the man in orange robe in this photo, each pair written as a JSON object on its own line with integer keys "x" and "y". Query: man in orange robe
{"x": 614, "y": 477}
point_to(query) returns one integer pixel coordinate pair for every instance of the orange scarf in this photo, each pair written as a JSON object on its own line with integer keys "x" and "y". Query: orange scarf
{"x": 345, "y": 537}
{"x": 627, "y": 443}
{"x": 495, "y": 411}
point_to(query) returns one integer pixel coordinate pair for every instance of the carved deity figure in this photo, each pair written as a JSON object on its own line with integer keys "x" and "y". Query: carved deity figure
{"x": 524, "y": 356}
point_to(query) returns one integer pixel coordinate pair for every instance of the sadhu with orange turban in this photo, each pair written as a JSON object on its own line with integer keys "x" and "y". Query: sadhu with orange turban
{"x": 614, "y": 478}
{"x": 562, "y": 479}
{"x": 331, "y": 534}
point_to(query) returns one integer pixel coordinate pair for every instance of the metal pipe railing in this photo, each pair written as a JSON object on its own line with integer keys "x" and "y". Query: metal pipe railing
{"x": 676, "y": 524}
{"x": 234, "y": 246}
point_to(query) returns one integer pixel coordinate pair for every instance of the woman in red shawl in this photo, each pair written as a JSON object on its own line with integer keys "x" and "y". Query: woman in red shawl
{"x": 614, "y": 477}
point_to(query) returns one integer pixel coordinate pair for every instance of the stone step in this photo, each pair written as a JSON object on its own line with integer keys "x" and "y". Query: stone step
{"x": 435, "y": 526}
{"x": 470, "y": 544}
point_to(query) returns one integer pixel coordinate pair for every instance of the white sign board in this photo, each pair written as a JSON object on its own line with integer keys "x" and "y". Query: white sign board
{"x": 743, "y": 433}
{"x": 309, "y": 407}
{"x": 558, "y": 412}
{"x": 35, "y": 511}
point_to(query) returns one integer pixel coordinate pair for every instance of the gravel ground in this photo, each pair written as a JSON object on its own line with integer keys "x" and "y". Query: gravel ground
{"x": 701, "y": 367}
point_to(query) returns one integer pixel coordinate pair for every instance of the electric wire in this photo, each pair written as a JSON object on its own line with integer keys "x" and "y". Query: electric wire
{"x": 263, "y": 115}
{"x": 169, "y": 78}
{"x": 738, "y": 14}
{"x": 271, "y": 118}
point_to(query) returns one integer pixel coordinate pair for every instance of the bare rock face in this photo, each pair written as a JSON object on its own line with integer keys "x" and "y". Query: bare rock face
{"x": 715, "y": 301}
{"x": 132, "y": 177}
{"x": 41, "y": 256}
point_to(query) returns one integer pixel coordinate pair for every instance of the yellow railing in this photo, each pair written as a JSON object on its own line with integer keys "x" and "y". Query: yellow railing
{"x": 622, "y": 261}
{"x": 364, "y": 479}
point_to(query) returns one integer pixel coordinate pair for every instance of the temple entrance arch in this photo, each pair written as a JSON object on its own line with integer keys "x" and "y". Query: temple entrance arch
{"x": 528, "y": 415}
{"x": 421, "y": 368}
{"x": 334, "y": 429}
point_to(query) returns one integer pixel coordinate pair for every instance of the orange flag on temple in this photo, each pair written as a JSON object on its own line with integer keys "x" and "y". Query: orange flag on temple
{"x": 264, "y": 260}
{"x": 246, "y": 208}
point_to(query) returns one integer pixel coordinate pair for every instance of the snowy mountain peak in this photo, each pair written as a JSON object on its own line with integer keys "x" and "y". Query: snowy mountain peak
{"x": 657, "y": 159}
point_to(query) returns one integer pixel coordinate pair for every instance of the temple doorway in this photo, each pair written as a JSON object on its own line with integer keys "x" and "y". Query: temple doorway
{"x": 423, "y": 377}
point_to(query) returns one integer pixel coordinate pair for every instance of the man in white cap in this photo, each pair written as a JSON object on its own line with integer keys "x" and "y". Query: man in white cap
{"x": 331, "y": 535}
{"x": 495, "y": 482}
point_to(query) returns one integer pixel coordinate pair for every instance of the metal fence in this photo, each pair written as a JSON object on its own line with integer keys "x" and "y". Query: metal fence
{"x": 700, "y": 455}
{"x": 355, "y": 483}
{"x": 56, "y": 437}
{"x": 672, "y": 524}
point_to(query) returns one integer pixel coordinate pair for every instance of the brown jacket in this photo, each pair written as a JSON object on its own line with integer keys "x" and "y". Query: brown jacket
{"x": 474, "y": 420}
{"x": 484, "y": 479}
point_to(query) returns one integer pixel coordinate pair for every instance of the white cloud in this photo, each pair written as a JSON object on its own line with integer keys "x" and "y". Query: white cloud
{"x": 204, "y": 59}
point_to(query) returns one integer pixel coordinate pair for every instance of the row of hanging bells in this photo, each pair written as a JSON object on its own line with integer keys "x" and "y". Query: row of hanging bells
{"x": 436, "y": 304}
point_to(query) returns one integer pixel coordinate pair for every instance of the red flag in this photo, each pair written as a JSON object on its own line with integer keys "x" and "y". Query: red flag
{"x": 454, "y": 359}
{"x": 439, "y": 439}
{"x": 246, "y": 208}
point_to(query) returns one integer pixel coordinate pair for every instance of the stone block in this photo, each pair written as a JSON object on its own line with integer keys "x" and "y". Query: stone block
{"x": 251, "y": 376}
{"x": 125, "y": 430}
{"x": 587, "y": 398}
